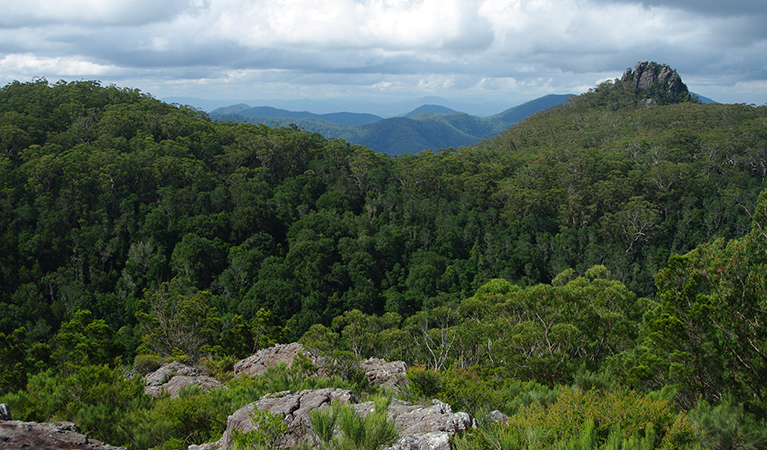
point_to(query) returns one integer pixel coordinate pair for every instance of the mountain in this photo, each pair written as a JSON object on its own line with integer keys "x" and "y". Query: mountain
{"x": 429, "y": 126}
{"x": 434, "y": 109}
{"x": 518, "y": 113}
{"x": 380, "y": 107}
{"x": 341, "y": 118}
{"x": 703, "y": 99}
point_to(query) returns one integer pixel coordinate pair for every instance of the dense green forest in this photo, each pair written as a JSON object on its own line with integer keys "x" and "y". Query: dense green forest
{"x": 507, "y": 274}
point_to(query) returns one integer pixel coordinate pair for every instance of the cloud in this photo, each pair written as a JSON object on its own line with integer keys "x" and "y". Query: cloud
{"x": 716, "y": 8}
{"x": 88, "y": 12}
{"x": 359, "y": 47}
{"x": 29, "y": 63}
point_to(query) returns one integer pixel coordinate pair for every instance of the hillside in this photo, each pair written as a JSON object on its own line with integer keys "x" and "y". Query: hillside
{"x": 609, "y": 250}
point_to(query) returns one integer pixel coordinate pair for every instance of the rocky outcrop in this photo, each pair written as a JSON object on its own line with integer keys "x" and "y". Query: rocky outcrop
{"x": 385, "y": 374}
{"x": 378, "y": 371}
{"x": 279, "y": 354}
{"x": 656, "y": 83}
{"x": 174, "y": 376}
{"x": 413, "y": 420}
{"x": 421, "y": 427}
{"x": 46, "y": 436}
{"x": 293, "y": 407}
{"x": 498, "y": 417}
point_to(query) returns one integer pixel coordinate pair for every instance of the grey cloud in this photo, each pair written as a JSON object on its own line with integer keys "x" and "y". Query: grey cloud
{"x": 706, "y": 7}
{"x": 118, "y": 13}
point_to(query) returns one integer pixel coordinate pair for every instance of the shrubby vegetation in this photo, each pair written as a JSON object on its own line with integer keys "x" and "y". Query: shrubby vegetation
{"x": 597, "y": 254}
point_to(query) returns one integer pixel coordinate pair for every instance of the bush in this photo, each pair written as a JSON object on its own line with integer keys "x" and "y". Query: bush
{"x": 728, "y": 426}
{"x": 270, "y": 430}
{"x": 147, "y": 363}
{"x": 424, "y": 383}
{"x": 323, "y": 422}
{"x": 368, "y": 432}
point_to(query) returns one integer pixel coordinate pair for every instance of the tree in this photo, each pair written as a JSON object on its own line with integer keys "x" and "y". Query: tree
{"x": 178, "y": 323}
{"x": 84, "y": 341}
{"x": 705, "y": 334}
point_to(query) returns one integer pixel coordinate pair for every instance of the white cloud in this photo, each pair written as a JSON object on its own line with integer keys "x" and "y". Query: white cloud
{"x": 24, "y": 64}
{"x": 359, "y": 47}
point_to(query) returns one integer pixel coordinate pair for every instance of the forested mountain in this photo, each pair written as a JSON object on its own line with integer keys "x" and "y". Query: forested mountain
{"x": 428, "y": 127}
{"x": 340, "y": 118}
{"x": 547, "y": 253}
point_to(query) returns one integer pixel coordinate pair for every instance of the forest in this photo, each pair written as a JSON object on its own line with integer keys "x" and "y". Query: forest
{"x": 599, "y": 253}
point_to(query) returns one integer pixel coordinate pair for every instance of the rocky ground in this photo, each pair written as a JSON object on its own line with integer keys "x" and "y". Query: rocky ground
{"x": 421, "y": 427}
{"x": 46, "y": 436}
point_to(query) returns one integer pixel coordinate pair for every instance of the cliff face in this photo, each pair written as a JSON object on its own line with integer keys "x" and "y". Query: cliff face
{"x": 656, "y": 84}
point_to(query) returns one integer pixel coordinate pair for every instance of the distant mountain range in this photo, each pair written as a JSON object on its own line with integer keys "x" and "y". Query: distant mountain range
{"x": 429, "y": 126}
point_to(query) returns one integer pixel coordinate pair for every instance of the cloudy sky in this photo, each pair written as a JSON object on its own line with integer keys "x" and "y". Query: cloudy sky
{"x": 501, "y": 50}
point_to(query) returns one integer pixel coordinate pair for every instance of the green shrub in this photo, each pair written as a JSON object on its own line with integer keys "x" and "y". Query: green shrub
{"x": 269, "y": 431}
{"x": 323, "y": 422}
{"x": 728, "y": 426}
{"x": 147, "y": 363}
{"x": 368, "y": 432}
{"x": 424, "y": 383}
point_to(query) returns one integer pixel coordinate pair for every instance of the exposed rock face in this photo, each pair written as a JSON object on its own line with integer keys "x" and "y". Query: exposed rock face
{"x": 385, "y": 374}
{"x": 174, "y": 385}
{"x": 657, "y": 83}
{"x": 294, "y": 407}
{"x": 421, "y": 427}
{"x": 46, "y": 436}
{"x": 425, "y": 441}
{"x": 263, "y": 359}
{"x": 413, "y": 420}
{"x": 174, "y": 376}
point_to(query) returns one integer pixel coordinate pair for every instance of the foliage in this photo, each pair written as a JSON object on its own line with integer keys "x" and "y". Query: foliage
{"x": 596, "y": 244}
{"x": 369, "y": 431}
{"x": 589, "y": 420}
{"x": 323, "y": 422}
{"x": 99, "y": 399}
{"x": 727, "y": 425}
{"x": 178, "y": 324}
{"x": 267, "y": 433}
{"x": 703, "y": 334}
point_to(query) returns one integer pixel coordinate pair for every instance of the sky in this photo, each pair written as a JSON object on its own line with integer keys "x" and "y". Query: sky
{"x": 506, "y": 51}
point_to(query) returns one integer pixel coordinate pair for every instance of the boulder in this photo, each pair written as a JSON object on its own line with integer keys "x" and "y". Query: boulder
{"x": 385, "y": 374}
{"x": 263, "y": 359}
{"x": 427, "y": 427}
{"x": 174, "y": 385}
{"x": 498, "y": 417}
{"x": 415, "y": 419}
{"x": 46, "y": 436}
{"x": 174, "y": 376}
{"x": 438, "y": 440}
